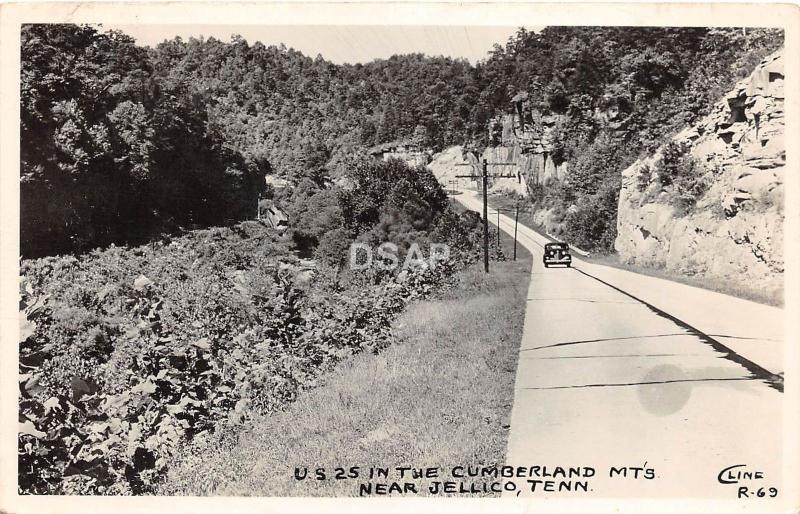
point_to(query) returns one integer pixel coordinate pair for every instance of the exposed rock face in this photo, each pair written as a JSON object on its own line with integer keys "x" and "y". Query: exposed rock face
{"x": 411, "y": 158}
{"x": 735, "y": 230}
{"x": 447, "y": 164}
{"x": 529, "y": 148}
{"x": 406, "y": 151}
{"x": 522, "y": 169}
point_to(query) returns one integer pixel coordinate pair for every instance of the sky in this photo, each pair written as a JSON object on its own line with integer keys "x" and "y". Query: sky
{"x": 343, "y": 43}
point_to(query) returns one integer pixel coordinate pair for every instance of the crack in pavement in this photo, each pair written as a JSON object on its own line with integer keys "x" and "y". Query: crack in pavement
{"x": 568, "y": 343}
{"x": 746, "y": 338}
{"x": 579, "y": 300}
{"x": 623, "y": 355}
{"x": 645, "y": 383}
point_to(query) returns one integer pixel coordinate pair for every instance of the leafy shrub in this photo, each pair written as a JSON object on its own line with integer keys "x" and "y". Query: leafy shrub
{"x": 334, "y": 247}
{"x": 592, "y": 224}
{"x": 680, "y": 174}
{"x": 116, "y": 338}
{"x": 643, "y": 177}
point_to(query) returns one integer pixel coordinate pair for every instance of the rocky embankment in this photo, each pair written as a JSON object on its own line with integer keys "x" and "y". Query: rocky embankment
{"x": 524, "y": 153}
{"x": 448, "y": 163}
{"x": 733, "y": 229}
{"x": 530, "y": 150}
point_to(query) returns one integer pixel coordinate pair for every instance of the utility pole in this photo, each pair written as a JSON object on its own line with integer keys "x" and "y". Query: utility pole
{"x": 516, "y": 219}
{"x": 498, "y": 229}
{"x": 516, "y": 222}
{"x": 484, "y": 176}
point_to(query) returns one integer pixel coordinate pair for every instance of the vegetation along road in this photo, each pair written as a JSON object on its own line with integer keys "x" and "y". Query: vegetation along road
{"x": 620, "y": 369}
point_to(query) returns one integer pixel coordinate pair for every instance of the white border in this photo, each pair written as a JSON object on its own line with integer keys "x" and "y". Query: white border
{"x": 325, "y": 13}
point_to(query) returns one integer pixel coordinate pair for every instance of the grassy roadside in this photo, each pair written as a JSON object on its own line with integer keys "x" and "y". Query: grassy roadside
{"x": 441, "y": 395}
{"x": 745, "y": 291}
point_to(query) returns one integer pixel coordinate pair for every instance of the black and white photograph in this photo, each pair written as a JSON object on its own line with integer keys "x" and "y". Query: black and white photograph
{"x": 505, "y": 259}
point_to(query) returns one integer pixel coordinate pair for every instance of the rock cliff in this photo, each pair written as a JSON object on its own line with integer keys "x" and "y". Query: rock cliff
{"x": 529, "y": 148}
{"x": 447, "y": 164}
{"x": 522, "y": 153}
{"x": 732, "y": 226}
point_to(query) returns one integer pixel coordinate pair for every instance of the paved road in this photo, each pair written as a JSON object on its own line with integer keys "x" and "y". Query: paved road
{"x": 619, "y": 369}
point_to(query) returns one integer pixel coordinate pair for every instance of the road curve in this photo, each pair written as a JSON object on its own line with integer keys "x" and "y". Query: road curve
{"x": 619, "y": 369}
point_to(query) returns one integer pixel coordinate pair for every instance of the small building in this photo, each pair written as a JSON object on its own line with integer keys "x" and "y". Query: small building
{"x": 274, "y": 216}
{"x": 276, "y": 183}
{"x": 406, "y": 151}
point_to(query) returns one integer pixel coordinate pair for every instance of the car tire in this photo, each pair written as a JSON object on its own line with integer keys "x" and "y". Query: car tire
{"x": 569, "y": 265}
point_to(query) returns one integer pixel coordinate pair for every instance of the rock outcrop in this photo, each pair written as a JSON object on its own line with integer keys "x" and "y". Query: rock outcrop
{"x": 446, "y": 164}
{"x": 529, "y": 148}
{"x": 524, "y": 154}
{"x": 734, "y": 231}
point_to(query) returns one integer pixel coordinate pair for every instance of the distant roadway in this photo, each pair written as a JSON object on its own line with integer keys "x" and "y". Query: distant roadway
{"x": 625, "y": 370}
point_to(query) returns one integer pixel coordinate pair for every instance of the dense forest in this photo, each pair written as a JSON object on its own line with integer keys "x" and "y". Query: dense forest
{"x": 121, "y": 143}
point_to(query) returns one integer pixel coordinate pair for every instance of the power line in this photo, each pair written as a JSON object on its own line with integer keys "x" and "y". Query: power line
{"x": 484, "y": 176}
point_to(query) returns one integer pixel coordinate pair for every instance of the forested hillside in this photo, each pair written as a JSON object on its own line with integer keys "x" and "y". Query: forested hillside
{"x": 121, "y": 143}
{"x": 610, "y": 95}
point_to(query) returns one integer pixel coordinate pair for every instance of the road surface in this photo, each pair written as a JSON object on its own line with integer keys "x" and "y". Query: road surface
{"x": 624, "y": 370}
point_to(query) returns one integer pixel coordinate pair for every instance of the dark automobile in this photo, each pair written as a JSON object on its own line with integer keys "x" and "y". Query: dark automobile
{"x": 556, "y": 253}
